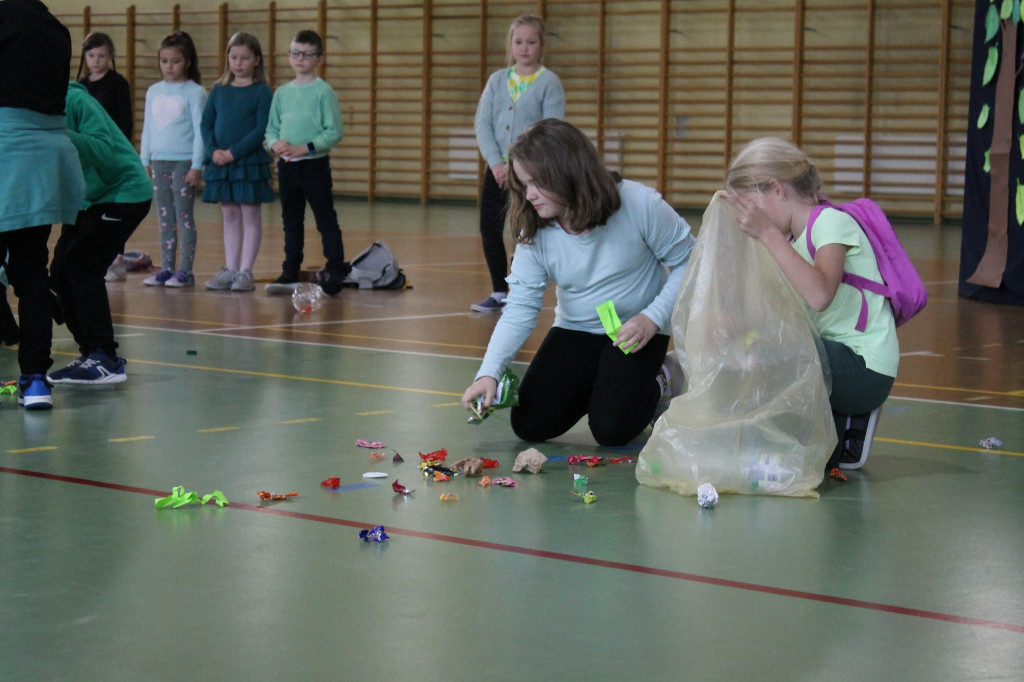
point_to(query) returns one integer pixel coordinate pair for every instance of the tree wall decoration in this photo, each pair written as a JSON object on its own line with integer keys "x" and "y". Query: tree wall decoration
{"x": 992, "y": 246}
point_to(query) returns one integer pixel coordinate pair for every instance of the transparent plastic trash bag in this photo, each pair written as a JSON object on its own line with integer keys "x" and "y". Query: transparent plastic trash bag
{"x": 755, "y": 417}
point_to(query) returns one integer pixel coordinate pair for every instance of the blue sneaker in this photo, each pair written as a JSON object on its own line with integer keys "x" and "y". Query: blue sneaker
{"x": 159, "y": 279}
{"x": 57, "y": 377}
{"x": 489, "y": 305}
{"x": 181, "y": 279}
{"x": 34, "y": 392}
{"x": 98, "y": 368}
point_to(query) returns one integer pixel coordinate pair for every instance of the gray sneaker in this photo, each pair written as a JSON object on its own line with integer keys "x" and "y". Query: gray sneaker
{"x": 222, "y": 281}
{"x": 672, "y": 381}
{"x": 243, "y": 281}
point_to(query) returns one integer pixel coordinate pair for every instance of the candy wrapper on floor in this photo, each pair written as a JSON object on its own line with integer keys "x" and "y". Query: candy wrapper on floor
{"x": 755, "y": 417}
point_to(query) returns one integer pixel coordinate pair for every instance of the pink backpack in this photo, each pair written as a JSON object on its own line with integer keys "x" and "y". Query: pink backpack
{"x": 901, "y": 284}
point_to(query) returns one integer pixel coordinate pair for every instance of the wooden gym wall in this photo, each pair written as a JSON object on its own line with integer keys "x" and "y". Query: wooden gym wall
{"x": 875, "y": 90}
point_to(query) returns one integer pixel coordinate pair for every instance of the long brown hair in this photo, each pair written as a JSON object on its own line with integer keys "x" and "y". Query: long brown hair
{"x": 259, "y": 74}
{"x": 563, "y": 162}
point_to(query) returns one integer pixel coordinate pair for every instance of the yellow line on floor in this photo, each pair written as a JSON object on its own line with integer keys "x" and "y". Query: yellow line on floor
{"x": 270, "y": 375}
{"x": 1012, "y": 394}
{"x": 388, "y": 339}
{"x": 131, "y": 439}
{"x": 38, "y": 449}
{"x": 218, "y": 429}
{"x": 306, "y": 420}
{"x": 995, "y": 451}
{"x": 154, "y": 318}
{"x": 368, "y": 414}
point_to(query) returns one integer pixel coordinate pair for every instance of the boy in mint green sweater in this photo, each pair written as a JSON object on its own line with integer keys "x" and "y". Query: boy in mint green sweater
{"x": 118, "y": 194}
{"x": 305, "y": 123}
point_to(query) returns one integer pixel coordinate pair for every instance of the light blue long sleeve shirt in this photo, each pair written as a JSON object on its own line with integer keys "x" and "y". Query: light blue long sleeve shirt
{"x": 499, "y": 120}
{"x": 626, "y": 261}
{"x": 170, "y": 128}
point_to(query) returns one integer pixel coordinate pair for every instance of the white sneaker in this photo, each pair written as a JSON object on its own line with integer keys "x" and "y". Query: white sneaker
{"x": 116, "y": 273}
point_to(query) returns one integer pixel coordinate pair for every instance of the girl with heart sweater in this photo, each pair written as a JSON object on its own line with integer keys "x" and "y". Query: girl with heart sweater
{"x": 172, "y": 151}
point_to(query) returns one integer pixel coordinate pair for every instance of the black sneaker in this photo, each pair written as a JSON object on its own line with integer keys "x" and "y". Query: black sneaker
{"x": 860, "y": 431}
{"x": 284, "y": 285}
{"x": 331, "y": 282}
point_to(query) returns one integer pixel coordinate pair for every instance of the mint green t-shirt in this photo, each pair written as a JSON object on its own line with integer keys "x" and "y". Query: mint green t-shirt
{"x": 877, "y": 344}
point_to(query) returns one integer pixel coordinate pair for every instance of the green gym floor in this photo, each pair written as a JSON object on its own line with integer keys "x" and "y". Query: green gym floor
{"x": 911, "y": 570}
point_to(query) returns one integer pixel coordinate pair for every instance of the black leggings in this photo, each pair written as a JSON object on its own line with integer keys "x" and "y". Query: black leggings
{"x": 855, "y": 389}
{"x": 27, "y": 254}
{"x": 80, "y": 259}
{"x": 493, "y": 208}
{"x": 575, "y": 374}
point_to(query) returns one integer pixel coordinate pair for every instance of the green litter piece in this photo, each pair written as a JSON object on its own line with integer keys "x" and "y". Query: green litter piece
{"x": 611, "y": 322}
{"x": 179, "y": 498}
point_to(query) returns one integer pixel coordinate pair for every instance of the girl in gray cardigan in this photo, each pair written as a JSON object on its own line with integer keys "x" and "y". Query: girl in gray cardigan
{"x": 515, "y": 98}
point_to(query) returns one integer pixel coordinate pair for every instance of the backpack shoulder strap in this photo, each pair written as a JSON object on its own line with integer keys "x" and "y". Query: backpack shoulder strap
{"x": 815, "y": 212}
{"x": 856, "y": 281}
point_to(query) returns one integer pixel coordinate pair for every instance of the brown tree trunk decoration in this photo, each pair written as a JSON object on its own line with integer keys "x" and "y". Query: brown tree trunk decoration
{"x": 989, "y": 272}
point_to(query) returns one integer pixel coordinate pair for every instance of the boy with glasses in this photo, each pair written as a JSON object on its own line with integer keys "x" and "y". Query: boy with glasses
{"x": 305, "y": 123}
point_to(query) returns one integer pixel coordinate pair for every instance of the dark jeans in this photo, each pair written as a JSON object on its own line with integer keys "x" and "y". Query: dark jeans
{"x": 8, "y": 325}
{"x": 855, "y": 390}
{"x": 27, "y": 255}
{"x": 575, "y": 374}
{"x": 299, "y": 183}
{"x": 493, "y": 208}
{"x": 80, "y": 260}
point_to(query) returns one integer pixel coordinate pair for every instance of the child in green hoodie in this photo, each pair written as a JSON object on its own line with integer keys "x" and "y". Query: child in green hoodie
{"x": 118, "y": 195}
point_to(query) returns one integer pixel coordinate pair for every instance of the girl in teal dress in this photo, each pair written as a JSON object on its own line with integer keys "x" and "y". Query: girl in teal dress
{"x": 237, "y": 168}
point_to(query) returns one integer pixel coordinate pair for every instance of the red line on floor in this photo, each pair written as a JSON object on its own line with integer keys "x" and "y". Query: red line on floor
{"x": 559, "y": 556}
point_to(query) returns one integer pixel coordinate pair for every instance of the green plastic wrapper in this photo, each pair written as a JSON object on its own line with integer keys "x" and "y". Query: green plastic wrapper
{"x": 507, "y": 395}
{"x": 610, "y": 320}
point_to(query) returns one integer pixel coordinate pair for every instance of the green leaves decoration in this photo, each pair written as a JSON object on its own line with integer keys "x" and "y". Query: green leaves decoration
{"x": 983, "y": 116}
{"x": 1006, "y": 9}
{"x": 990, "y": 65}
{"x": 988, "y": 165}
{"x": 991, "y": 23}
{"x": 1022, "y": 146}
{"x": 1016, "y": 12}
{"x": 1020, "y": 203}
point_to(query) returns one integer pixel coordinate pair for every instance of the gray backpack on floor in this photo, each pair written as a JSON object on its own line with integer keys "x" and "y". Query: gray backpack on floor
{"x": 376, "y": 268}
